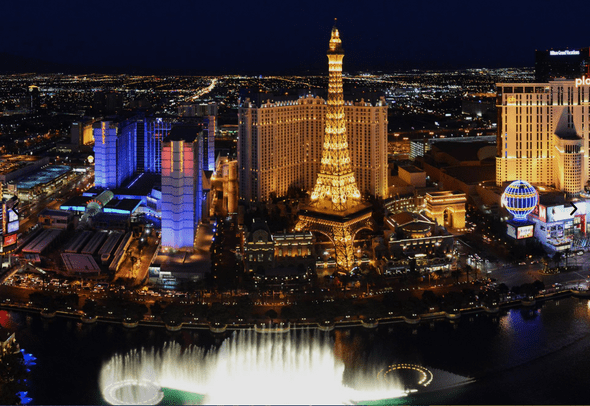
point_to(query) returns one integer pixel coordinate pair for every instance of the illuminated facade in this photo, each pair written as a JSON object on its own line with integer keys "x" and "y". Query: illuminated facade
{"x": 335, "y": 187}
{"x": 209, "y": 128}
{"x": 335, "y": 208}
{"x": 182, "y": 191}
{"x": 114, "y": 152}
{"x": 125, "y": 148}
{"x": 150, "y": 153}
{"x": 543, "y": 133}
{"x": 446, "y": 208}
{"x": 280, "y": 146}
{"x": 82, "y": 133}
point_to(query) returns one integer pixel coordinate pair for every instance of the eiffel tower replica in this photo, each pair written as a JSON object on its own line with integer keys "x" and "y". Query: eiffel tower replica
{"x": 335, "y": 208}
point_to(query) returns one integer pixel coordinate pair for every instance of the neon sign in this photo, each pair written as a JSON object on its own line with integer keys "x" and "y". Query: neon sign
{"x": 566, "y": 52}
{"x": 582, "y": 81}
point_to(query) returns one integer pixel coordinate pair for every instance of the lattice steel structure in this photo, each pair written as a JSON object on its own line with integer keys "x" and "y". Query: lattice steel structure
{"x": 335, "y": 187}
{"x": 335, "y": 207}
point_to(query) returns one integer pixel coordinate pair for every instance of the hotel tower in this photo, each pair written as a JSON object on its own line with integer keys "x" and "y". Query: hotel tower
{"x": 280, "y": 143}
{"x": 543, "y": 133}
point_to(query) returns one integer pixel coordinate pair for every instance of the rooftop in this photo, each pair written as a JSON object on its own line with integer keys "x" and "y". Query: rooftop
{"x": 140, "y": 185}
{"x": 462, "y": 151}
{"x": 122, "y": 206}
{"x": 54, "y": 213}
{"x": 187, "y": 133}
{"x": 43, "y": 176}
{"x": 10, "y": 163}
{"x": 472, "y": 174}
{"x": 77, "y": 203}
{"x": 80, "y": 263}
{"x": 411, "y": 169}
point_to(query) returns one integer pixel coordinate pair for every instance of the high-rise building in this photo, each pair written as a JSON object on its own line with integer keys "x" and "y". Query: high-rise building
{"x": 114, "y": 153}
{"x": 150, "y": 144}
{"x": 81, "y": 132}
{"x": 567, "y": 64}
{"x": 197, "y": 109}
{"x": 35, "y": 102}
{"x": 182, "y": 190}
{"x": 335, "y": 207}
{"x": 209, "y": 129}
{"x": 543, "y": 135}
{"x": 280, "y": 145}
{"x": 123, "y": 148}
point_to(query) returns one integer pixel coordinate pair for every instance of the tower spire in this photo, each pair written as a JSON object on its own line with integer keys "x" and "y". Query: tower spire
{"x": 335, "y": 188}
{"x": 335, "y": 208}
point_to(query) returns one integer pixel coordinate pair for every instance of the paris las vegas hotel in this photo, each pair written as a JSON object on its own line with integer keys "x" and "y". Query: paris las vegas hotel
{"x": 280, "y": 145}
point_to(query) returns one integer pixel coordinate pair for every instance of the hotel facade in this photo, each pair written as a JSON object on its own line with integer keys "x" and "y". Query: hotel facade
{"x": 543, "y": 134}
{"x": 280, "y": 146}
{"x": 182, "y": 191}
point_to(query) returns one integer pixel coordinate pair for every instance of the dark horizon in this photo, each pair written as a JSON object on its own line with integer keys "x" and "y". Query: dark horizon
{"x": 270, "y": 38}
{"x": 13, "y": 64}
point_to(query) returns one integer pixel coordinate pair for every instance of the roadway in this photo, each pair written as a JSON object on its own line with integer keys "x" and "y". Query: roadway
{"x": 514, "y": 275}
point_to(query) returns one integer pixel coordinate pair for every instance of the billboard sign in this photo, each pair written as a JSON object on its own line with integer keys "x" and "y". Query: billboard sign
{"x": 9, "y": 241}
{"x": 520, "y": 232}
{"x": 511, "y": 230}
{"x": 525, "y": 232}
{"x": 12, "y": 227}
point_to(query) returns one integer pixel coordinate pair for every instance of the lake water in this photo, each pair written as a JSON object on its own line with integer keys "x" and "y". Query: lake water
{"x": 521, "y": 356}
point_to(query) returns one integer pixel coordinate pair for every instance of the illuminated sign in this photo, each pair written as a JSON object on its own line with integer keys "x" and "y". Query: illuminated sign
{"x": 12, "y": 227}
{"x": 566, "y": 52}
{"x": 524, "y": 232}
{"x": 104, "y": 127}
{"x": 543, "y": 213}
{"x": 12, "y": 216}
{"x": 520, "y": 232}
{"x": 582, "y": 81}
{"x": 564, "y": 212}
{"x": 540, "y": 212}
{"x": 511, "y": 231}
{"x": 9, "y": 240}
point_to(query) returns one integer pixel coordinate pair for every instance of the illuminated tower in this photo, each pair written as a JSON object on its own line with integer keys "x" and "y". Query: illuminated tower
{"x": 335, "y": 187}
{"x": 182, "y": 188}
{"x": 335, "y": 208}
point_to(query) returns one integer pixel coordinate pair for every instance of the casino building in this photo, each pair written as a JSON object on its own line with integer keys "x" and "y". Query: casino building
{"x": 543, "y": 134}
{"x": 280, "y": 145}
{"x": 160, "y": 163}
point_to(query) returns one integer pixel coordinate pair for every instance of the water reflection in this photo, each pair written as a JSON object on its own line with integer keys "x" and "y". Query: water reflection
{"x": 487, "y": 347}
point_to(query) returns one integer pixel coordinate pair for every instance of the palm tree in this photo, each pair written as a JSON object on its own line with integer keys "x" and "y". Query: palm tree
{"x": 468, "y": 270}
{"x": 557, "y": 258}
{"x": 271, "y": 314}
{"x": 456, "y": 274}
{"x": 439, "y": 274}
{"x": 545, "y": 261}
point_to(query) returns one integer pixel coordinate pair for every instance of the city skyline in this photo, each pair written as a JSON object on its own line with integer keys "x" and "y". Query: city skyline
{"x": 266, "y": 38}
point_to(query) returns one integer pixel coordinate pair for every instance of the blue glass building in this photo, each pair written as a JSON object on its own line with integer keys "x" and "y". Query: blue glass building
{"x": 128, "y": 150}
{"x": 182, "y": 188}
{"x": 114, "y": 152}
{"x": 156, "y": 130}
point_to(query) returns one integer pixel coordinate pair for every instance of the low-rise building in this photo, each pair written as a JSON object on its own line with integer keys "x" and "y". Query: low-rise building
{"x": 416, "y": 241}
{"x": 267, "y": 253}
{"x": 55, "y": 218}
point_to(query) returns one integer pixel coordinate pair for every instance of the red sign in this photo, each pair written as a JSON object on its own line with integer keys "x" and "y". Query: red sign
{"x": 9, "y": 240}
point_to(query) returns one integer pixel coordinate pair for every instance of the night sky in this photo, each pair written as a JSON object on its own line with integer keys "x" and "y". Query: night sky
{"x": 280, "y": 37}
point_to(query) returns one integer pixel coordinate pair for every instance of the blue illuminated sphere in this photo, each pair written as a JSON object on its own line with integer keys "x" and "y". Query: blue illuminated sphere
{"x": 520, "y": 198}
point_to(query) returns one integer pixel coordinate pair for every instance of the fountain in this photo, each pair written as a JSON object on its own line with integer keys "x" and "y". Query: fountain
{"x": 248, "y": 368}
